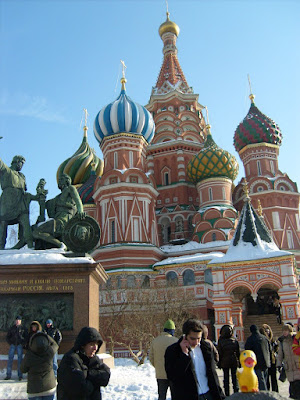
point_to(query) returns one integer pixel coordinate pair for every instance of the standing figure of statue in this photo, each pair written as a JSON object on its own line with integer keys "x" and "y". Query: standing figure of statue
{"x": 60, "y": 209}
{"x": 14, "y": 202}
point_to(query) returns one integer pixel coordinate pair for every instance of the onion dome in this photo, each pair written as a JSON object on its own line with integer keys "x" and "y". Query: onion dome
{"x": 124, "y": 116}
{"x": 80, "y": 165}
{"x": 168, "y": 26}
{"x": 86, "y": 190}
{"x": 212, "y": 162}
{"x": 256, "y": 127}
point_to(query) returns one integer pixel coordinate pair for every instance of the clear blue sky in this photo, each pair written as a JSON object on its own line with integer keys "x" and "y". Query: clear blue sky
{"x": 58, "y": 57}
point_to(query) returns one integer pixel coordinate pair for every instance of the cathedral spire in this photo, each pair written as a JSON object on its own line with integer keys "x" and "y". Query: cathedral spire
{"x": 171, "y": 76}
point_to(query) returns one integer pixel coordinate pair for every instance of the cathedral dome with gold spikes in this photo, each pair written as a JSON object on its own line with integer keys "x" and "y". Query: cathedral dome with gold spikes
{"x": 124, "y": 116}
{"x": 212, "y": 162}
{"x": 168, "y": 26}
{"x": 80, "y": 165}
{"x": 256, "y": 127}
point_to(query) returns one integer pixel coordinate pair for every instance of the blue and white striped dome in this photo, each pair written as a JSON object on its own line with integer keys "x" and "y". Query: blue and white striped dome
{"x": 124, "y": 116}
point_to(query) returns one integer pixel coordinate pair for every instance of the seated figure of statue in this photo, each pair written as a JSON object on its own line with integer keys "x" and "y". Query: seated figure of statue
{"x": 60, "y": 209}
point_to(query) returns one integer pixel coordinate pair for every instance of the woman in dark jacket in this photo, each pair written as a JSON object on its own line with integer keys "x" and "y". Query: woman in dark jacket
{"x": 267, "y": 331}
{"x": 81, "y": 373}
{"x": 37, "y": 362}
{"x": 229, "y": 353}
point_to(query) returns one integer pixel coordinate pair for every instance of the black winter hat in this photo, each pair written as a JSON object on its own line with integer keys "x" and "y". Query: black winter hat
{"x": 253, "y": 328}
{"x": 87, "y": 335}
{"x": 39, "y": 343}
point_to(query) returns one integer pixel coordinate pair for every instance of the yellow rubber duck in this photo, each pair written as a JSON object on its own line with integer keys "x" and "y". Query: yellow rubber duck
{"x": 247, "y": 378}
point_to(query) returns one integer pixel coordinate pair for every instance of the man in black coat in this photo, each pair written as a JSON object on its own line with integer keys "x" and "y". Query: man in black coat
{"x": 262, "y": 349}
{"x": 191, "y": 367}
{"x": 16, "y": 338}
{"x": 81, "y": 373}
{"x": 57, "y": 336}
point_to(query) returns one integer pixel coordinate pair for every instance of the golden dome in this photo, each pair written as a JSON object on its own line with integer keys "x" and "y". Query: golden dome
{"x": 168, "y": 26}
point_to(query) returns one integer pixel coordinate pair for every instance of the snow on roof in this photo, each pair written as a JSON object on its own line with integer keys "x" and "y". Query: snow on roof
{"x": 113, "y": 270}
{"x": 189, "y": 258}
{"x": 51, "y": 256}
{"x": 193, "y": 246}
{"x": 217, "y": 207}
{"x": 252, "y": 239}
{"x": 247, "y": 252}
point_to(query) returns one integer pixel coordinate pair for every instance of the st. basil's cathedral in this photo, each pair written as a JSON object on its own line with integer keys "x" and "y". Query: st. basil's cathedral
{"x": 169, "y": 212}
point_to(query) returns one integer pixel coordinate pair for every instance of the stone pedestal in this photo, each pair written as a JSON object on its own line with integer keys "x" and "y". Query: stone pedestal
{"x": 65, "y": 289}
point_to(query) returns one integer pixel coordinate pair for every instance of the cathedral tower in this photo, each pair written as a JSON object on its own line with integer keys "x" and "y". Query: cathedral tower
{"x": 179, "y": 135}
{"x": 125, "y": 196}
{"x": 257, "y": 140}
{"x": 213, "y": 170}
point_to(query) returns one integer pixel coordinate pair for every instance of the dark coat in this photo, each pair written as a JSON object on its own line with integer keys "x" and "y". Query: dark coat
{"x": 228, "y": 348}
{"x": 261, "y": 347}
{"x": 54, "y": 333}
{"x": 180, "y": 371}
{"x": 16, "y": 335}
{"x": 38, "y": 362}
{"x": 80, "y": 377}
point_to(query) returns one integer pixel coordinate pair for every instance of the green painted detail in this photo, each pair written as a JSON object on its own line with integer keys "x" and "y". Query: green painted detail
{"x": 212, "y": 162}
{"x": 81, "y": 164}
{"x": 256, "y": 128}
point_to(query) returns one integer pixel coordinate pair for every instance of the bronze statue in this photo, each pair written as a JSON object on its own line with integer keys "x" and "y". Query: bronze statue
{"x": 61, "y": 209}
{"x": 14, "y": 202}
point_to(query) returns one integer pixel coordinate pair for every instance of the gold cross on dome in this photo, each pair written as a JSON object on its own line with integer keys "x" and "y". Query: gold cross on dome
{"x": 85, "y": 116}
{"x": 123, "y": 68}
{"x": 207, "y": 119}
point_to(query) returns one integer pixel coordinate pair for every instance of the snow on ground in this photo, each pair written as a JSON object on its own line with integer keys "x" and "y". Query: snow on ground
{"x": 127, "y": 382}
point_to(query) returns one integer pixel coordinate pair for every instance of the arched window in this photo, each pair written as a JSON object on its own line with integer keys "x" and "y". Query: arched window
{"x": 290, "y": 239}
{"x": 213, "y": 237}
{"x": 258, "y": 168}
{"x": 208, "y": 276}
{"x": 166, "y": 176}
{"x": 178, "y": 224}
{"x": 224, "y": 193}
{"x": 131, "y": 281}
{"x": 119, "y": 282}
{"x": 130, "y": 159}
{"x": 115, "y": 160}
{"x": 146, "y": 282}
{"x": 210, "y": 193}
{"x": 165, "y": 230}
{"x": 188, "y": 278}
{"x": 112, "y": 232}
{"x": 272, "y": 167}
{"x": 172, "y": 279}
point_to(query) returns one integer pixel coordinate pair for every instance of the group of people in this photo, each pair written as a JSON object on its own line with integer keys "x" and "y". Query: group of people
{"x": 188, "y": 366}
{"x": 80, "y": 374}
{"x": 19, "y": 338}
